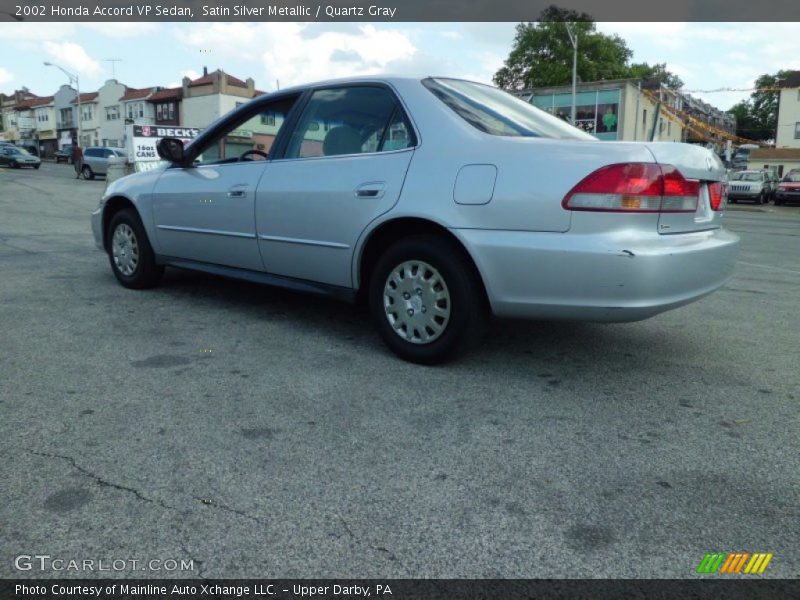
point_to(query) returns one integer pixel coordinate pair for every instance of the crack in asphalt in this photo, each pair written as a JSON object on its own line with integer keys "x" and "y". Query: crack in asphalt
{"x": 389, "y": 554}
{"x": 124, "y": 488}
{"x": 104, "y": 482}
{"x": 230, "y": 509}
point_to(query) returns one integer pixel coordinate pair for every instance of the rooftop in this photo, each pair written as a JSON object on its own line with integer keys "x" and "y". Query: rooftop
{"x": 87, "y": 97}
{"x": 775, "y": 153}
{"x": 137, "y": 94}
{"x": 167, "y": 94}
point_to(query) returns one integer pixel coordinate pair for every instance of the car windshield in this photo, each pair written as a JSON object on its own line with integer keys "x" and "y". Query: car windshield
{"x": 497, "y": 112}
{"x": 747, "y": 177}
{"x": 793, "y": 177}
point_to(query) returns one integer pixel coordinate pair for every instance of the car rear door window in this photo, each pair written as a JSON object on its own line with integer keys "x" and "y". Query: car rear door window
{"x": 350, "y": 120}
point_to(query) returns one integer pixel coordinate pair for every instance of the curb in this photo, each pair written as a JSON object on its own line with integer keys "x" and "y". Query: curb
{"x": 735, "y": 207}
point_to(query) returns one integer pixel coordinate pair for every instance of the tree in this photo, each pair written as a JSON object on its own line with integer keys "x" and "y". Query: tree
{"x": 542, "y": 54}
{"x": 757, "y": 118}
{"x": 656, "y": 72}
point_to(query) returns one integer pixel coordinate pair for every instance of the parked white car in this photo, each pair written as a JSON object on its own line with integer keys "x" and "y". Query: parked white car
{"x": 754, "y": 186}
{"x": 438, "y": 201}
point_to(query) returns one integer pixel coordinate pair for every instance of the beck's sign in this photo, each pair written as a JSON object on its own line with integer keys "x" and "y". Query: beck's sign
{"x": 145, "y": 137}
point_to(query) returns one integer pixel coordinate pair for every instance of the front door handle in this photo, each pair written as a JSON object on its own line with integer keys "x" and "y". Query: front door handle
{"x": 237, "y": 194}
{"x": 373, "y": 189}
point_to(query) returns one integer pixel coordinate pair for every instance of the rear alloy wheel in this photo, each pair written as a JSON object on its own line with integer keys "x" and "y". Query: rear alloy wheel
{"x": 129, "y": 251}
{"x": 87, "y": 172}
{"x": 426, "y": 300}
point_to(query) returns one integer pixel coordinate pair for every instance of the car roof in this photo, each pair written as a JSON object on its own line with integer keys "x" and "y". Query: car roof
{"x": 390, "y": 79}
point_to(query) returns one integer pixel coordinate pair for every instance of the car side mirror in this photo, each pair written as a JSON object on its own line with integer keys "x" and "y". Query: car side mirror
{"x": 171, "y": 149}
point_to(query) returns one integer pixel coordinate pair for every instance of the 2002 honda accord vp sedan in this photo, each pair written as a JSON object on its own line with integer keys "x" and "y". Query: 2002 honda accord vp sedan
{"x": 438, "y": 201}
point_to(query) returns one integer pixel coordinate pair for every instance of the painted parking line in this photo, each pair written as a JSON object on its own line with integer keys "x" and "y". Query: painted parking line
{"x": 768, "y": 267}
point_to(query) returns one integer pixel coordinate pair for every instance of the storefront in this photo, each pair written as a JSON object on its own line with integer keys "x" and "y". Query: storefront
{"x": 597, "y": 112}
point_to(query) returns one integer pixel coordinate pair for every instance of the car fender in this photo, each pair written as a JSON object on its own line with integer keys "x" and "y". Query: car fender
{"x": 137, "y": 189}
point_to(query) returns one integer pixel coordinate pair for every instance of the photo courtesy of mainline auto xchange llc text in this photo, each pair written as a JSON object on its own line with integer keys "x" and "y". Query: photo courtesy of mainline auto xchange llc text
{"x": 373, "y": 300}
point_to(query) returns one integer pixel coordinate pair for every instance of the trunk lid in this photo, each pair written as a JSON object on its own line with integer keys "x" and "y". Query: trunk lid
{"x": 694, "y": 162}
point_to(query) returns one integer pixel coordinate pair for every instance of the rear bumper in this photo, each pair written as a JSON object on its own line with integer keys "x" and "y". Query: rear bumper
{"x": 598, "y": 277}
{"x": 744, "y": 195}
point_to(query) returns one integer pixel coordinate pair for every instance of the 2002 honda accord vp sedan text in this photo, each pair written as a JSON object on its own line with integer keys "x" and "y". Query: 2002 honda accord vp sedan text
{"x": 436, "y": 200}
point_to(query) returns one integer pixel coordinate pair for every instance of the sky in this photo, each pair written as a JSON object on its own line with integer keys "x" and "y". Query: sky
{"x": 707, "y": 56}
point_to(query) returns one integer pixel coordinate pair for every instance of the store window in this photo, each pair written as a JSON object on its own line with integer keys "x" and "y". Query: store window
{"x": 596, "y": 112}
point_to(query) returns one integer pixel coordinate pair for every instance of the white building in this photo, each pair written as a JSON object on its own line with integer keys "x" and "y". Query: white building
{"x": 214, "y": 94}
{"x": 788, "y": 134}
{"x": 43, "y": 111}
{"x": 88, "y": 109}
{"x": 136, "y": 109}
{"x": 110, "y": 117}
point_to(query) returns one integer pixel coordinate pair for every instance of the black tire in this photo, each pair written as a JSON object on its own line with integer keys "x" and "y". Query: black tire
{"x": 778, "y": 201}
{"x": 467, "y": 305}
{"x": 36, "y": 166}
{"x": 147, "y": 273}
{"x": 87, "y": 173}
{"x": 14, "y": 164}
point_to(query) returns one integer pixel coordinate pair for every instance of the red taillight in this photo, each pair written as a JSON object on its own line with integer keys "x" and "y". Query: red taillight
{"x": 717, "y": 194}
{"x": 634, "y": 187}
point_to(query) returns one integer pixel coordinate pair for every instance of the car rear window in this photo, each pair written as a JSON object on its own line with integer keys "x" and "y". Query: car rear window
{"x": 496, "y": 112}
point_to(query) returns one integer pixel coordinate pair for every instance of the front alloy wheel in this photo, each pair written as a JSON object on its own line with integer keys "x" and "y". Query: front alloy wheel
{"x": 130, "y": 254}
{"x": 125, "y": 249}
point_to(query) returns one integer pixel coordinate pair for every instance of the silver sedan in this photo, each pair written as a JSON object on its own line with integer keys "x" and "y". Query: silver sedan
{"x": 436, "y": 201}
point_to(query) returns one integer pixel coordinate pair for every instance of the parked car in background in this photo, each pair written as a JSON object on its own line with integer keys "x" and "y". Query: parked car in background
{"x": 16, "y": 157}
{"x": 788, "y": 188}
{"x": 753, "y": 186}
{"x": 95, "y": 160}
{"x": 436, "y": 201}
{"x": 63, "y": 155}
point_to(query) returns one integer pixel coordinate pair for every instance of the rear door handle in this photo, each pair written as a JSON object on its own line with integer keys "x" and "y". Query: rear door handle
{"x": 373, "y": 189}
{"x": 237, "y": 193}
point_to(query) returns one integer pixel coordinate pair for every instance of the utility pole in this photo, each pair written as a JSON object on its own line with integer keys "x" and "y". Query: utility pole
{"x": 573, "y": 37}
{"x": 72, "y": 77}
{"x": 113, "y": 62}
{"x": 636, "y": 120}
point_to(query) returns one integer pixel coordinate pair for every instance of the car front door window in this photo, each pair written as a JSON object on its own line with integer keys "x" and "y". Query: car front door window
{"x": 247, "y": 139}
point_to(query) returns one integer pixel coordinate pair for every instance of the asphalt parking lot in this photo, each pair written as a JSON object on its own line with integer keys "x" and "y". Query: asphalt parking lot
{"x": 260, "y": 433}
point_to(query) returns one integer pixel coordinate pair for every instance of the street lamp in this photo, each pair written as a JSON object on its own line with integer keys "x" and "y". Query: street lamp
{"x": 573, "y": 37}
{"x": 72, "y": 77}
